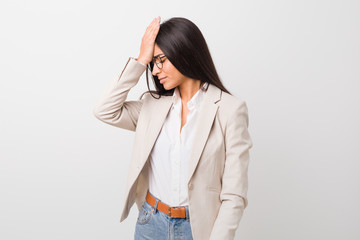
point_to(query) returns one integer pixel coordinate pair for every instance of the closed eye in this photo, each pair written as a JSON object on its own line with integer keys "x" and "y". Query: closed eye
{"x": 159, "y": 57}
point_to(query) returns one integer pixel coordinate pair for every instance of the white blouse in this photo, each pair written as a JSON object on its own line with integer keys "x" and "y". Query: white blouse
{"x": 169, "y": 158}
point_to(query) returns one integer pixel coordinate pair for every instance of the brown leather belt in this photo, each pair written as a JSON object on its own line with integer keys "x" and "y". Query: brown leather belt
{"x": 172, "y": 212}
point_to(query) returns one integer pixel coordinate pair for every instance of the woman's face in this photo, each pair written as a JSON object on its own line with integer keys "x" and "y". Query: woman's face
{"x": 168, "y": 75}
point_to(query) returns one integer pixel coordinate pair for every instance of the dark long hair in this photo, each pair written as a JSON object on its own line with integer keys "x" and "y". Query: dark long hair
{"x": 185, "y": 47}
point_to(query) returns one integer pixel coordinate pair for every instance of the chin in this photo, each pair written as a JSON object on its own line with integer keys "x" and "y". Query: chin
{"x": 167, "y": 87}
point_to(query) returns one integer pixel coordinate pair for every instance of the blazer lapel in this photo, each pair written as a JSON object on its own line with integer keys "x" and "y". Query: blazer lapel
{"x": 157, "y": 112}
{"x": 206, "y": 118}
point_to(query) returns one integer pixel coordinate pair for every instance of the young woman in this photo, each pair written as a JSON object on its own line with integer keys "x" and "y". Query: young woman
{"x": 188, "y": 174}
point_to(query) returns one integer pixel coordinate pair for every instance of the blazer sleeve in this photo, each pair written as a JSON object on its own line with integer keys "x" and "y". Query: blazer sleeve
{"x": 112, "y": 107}
{"x": 235, "y": 176}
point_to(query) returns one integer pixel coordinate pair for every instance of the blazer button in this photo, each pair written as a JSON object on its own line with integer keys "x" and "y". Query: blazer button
{"x": 191, "y": 186}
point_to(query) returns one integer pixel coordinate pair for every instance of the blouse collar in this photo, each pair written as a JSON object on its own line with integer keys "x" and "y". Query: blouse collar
{"x": 194, "y": 101}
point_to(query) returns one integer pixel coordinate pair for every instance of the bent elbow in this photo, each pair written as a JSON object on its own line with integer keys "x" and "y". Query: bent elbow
{"x": 97, "y": 112}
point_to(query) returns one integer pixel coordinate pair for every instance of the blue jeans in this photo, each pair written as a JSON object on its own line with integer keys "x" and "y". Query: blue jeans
{"x": 156, "y": 225}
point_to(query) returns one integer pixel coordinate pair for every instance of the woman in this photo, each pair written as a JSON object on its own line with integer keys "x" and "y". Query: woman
{"x": 188, "y": 174}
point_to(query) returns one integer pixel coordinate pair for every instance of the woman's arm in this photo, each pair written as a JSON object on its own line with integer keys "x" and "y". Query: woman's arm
{"x": 235, "y": 177}
{"x": 112, "y": 107}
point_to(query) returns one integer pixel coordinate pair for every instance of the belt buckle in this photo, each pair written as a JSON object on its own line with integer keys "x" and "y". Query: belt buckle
{"x": 169, "y": 214}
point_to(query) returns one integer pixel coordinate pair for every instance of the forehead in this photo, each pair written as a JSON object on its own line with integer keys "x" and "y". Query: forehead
{"x": 157, "y": 51}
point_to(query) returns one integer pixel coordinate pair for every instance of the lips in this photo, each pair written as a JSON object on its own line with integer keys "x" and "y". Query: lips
{"x": 162, "y": 79}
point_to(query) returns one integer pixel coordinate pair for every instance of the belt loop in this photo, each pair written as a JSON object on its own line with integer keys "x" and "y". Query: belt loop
{"x": 187, "y": 213}
{"x": 156, "y": 204}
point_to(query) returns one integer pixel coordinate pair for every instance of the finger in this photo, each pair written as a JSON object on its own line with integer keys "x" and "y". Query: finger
{"x": 153, "y": 32}
{"x": 155, "y": 26}
{"x": 152, "y": 23}
{"x": 156, "y": 30}
{"x": 150, "y": 30}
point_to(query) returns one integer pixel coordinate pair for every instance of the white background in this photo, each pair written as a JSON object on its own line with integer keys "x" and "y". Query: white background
{"x": 296, "y": 63}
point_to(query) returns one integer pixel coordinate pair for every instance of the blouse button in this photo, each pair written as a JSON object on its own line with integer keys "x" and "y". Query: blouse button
{"x": 191, "y": 186}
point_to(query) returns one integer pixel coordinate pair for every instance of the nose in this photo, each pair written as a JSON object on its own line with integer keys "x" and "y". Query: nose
{"x": 155, "y": 70}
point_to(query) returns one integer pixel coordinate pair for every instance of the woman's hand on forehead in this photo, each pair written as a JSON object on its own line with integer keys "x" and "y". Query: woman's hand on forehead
{"x": 148, "y": 42}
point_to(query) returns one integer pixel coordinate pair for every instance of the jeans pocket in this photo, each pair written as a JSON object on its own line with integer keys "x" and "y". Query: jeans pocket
{"x": 144, "y": 216}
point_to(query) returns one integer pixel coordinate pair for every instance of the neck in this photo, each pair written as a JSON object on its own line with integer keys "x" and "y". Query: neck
{"x": 188, "y": 89}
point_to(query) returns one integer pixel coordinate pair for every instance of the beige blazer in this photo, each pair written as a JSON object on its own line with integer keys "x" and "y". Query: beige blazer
{"x": 218, "y": 167}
